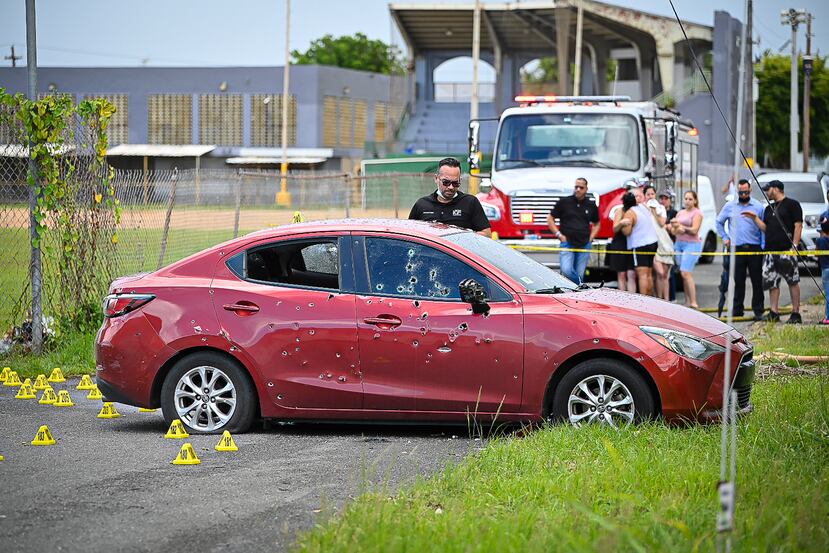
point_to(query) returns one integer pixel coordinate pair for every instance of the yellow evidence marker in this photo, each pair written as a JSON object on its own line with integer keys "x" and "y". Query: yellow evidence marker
{"x": 187, "y": 456}
{"x": 108, "y": 411}
{"x": 176, "y": 430}
{"x": 12, "y": 380}
{"x": 56, "y": 376}
{"x": 5, "y": 373}
{"x": 95, "y": 393}
{"x": 226, "y": 443}
{"x": 43, "y": 437}
{"x": 85, "y": 383}
{"x": 48, "y": 397}
{"x": 64, "y": 399}
{"x": 41, "y": 383}
{"x": 25, "y": 391}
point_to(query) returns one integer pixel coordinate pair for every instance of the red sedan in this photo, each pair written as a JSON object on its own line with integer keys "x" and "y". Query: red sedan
{"x": 406, "y": 321}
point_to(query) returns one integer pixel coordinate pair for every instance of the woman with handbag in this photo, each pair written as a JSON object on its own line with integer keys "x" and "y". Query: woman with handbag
{"x": 685, "y": 226}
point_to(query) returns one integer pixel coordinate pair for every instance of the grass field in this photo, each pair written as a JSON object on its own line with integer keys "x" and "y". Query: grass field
{"x": 648, "y": 488}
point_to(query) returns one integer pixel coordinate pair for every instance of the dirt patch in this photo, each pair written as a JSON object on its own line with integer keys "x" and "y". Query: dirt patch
{"x": 215, "y": 219}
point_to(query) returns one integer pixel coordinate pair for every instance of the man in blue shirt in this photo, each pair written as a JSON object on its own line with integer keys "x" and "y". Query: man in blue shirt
{"x": 747, "y": 237}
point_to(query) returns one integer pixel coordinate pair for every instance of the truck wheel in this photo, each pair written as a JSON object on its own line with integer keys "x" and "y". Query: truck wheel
{"x": 709, "y": 246}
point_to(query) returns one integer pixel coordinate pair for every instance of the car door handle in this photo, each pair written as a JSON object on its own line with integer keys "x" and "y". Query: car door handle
{"x": 384, "y": 321}
{"x": 242, "y": 308}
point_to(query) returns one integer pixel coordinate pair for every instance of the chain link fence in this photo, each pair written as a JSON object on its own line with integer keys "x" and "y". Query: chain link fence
{"x": 170, "y": 214}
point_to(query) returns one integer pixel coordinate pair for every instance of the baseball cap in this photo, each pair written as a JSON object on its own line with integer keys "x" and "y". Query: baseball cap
{"x": 773, "y": 184}
{"x": 666, "y": 192}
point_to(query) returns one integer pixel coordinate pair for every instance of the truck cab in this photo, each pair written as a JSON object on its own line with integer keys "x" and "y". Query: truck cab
{"x": 546, "y": 142}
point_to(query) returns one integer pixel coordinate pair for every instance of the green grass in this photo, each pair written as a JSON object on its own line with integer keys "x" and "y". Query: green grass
{"x": 649, "y": 488}
{"x": 74, "y": 353}
{"x": 793, "y": 339}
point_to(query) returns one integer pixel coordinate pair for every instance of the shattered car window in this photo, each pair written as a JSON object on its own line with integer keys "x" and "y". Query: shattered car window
{"x": 321, "y": 258}
{"x": 528, "y": 273}
{"x": 410, "y": 269}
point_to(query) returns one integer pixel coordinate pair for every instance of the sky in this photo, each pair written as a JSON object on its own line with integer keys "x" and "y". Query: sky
{"x": 126, "y": 33}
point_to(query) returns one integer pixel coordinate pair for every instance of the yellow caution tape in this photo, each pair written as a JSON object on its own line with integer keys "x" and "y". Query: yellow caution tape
{"x": 529, "y": 248}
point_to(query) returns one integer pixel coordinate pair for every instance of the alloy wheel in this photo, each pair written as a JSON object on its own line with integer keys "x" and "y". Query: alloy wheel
{"x": 205, "y": 398}
{"x": 601, "y": 399}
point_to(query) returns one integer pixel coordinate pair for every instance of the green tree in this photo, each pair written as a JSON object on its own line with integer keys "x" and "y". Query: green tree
{"x": 352, "y": 52}
{"x": 773, "y": 74}
{"x": 545, "y": 72}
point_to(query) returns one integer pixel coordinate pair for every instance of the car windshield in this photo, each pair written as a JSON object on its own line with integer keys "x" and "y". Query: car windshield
{"x": 568, "y": 140}
{"x": 530, "y": 274}
{"x": 803, "y": 192}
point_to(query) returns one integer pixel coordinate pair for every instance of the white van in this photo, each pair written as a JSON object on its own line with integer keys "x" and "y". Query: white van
{"x": 708, "y": 206}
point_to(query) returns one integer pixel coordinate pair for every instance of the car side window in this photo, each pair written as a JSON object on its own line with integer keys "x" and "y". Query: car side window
{"x": 312, "y": 263}
{"x": 403, "y": 268}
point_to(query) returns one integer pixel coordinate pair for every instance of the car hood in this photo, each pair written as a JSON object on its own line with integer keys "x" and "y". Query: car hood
{"x": 644, "y": 310}
{"x": 558, "y": 180}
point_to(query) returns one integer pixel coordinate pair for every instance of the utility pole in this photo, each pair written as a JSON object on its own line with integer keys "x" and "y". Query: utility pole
{"x": 36, "y": 268}
{"x": 283, "y": 197}
{"x": 807, "y": 92}
{"x": 577, "y": 53}
{"x": 474, "y": 181}
{"x": 13, "y": 58}
{"x": 740, "y": 112}
{"x": 476, "y": 55}
{"x": 793, "y": 18}
{"x": 748, "y": 90}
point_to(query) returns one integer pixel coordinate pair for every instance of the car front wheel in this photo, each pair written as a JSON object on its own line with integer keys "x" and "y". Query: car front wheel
{"x": 209, "y": 393}
{"x": 604, "y": 391}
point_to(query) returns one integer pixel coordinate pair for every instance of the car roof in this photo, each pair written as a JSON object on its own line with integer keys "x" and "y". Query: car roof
{"x": 787, "y": 175}
{"x": 403, "y": 226}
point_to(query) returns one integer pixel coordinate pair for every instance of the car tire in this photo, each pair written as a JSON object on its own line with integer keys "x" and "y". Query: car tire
{"x": 630, "y": 401}
{"x": 233, "y": 403}
{"x": 709, "y": 246}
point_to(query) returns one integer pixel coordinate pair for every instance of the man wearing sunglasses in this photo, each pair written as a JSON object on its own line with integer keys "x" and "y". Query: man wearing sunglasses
{"x": 747, "y": 237}
{"x": 578, "y": 217}
{"x": 448, "y": 204}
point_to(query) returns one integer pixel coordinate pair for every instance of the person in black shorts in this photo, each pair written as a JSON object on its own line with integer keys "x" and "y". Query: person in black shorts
{"x": 448, "y": 204}
{"x": 622, "y": 263}
{"x": 785, "y": 237}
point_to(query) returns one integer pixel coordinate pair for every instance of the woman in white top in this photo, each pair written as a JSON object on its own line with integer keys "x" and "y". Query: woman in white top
{"x": 662, "y": 270}
{"x": 640, "y": 228}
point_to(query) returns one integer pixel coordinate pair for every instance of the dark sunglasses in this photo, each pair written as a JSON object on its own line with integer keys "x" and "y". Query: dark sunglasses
{"x": 744, "y": 192}
{"x": 449, "y": 182}
{"x": 579, "y": 187}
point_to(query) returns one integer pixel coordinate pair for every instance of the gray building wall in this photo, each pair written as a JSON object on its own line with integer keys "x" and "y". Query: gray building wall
{"x": 715, "y": 142}
{"x": 309, "y": 83}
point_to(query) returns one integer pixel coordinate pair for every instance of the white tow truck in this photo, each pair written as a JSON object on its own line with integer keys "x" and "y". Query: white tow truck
{"x": 546, "y": 142}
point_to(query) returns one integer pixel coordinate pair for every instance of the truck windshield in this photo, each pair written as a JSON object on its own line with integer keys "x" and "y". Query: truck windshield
{"x": 528, "y": 273}
{"x": 568, "y": 139}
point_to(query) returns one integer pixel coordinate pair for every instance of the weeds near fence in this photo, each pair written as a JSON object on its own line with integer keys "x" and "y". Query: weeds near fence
{"x": 60, "y": 147}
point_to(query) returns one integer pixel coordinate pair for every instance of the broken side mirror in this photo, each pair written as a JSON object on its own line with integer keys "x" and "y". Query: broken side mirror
{"x": 472, "y": 292}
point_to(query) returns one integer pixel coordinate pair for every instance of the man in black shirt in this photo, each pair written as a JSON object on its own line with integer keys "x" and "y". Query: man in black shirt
{"x": 576, "y": 214}
{"x": 448, "y": 204}
{"x": 780, "y": 238}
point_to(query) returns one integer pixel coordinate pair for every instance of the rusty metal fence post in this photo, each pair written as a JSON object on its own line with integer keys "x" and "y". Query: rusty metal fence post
{"x": 165, "y": 232}
{"x": 239, "y": 182}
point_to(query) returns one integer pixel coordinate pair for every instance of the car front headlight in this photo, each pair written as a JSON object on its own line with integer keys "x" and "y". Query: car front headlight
{"x": 492, "y": 213}
{"x": 683, "y": 344}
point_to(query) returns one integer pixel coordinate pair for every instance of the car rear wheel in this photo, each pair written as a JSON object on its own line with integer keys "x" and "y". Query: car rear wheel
{"x": 604, "y": 391}
{"x": 209, "y": 393}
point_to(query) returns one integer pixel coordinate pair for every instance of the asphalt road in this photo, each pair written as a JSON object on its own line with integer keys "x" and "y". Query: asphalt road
{"x": 108, "y": 485}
